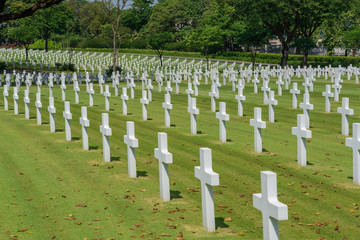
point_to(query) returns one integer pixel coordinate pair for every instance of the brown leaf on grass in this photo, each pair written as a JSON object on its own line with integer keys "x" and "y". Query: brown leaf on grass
{"x": 172, "y": 182}
{"x": 336, "y": 228}
{"x": 69, "y": 218}
{"x": 28, "y": 199}
{"x": 109, "y": 167}
{"x": 318, "y": 231}
{"x": 80, "y": 205}
{"x": 78, "y": 223}
{"x": 228, "y": 219}
{"x": 338, "y": 207}
{"x": 96, "y": 219}
{"x": 21, "y": 173}
{"x": 63, "y": 196}
{"x": 23, "y": 230}
{"x": 142, "y": 190}
{"x": 164, "y": 235}
{"x": 53, "y": 237}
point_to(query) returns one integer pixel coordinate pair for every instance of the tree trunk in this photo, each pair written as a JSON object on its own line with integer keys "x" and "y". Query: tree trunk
{"x": 27, "y": 52}
{"x": 46, "y": 39}
{"x": 253, "y": 57}
{"x": 346, "y": 52}
{"x": 285, "y": 54}
{"x": 160, "y": 56}
{"x": 305, "y": 59}
{"x": 354, "y": 52}
{"x": 114, "y": 52}
{"x": 207, "y": 62}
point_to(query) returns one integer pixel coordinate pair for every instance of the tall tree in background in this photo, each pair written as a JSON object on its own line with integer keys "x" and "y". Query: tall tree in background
{"x": 52, "y": 20}
{"x": 16, "y": 9}
{"x": 23, "y": 32}
{"x": 113, "y": 10}
{"x": 158, "y": 43}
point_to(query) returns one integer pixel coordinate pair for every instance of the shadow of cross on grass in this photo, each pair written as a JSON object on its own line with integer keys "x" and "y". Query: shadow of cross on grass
{"x": 220, "y": 222}
{"x": 141, "y": 173}
{"x": 175, "y": 194}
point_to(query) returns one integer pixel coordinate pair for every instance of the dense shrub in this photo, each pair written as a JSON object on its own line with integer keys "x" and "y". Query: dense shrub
{"x": 2, "y": 66}
{"x": 109, "y": 70}
{"x": 40, "y": 44}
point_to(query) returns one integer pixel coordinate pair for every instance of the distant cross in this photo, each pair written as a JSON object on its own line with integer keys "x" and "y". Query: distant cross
{"x": 38, "y": 106}
{"x": 223, "y": 117}
{"x": 68, "y": 116}
{"x": 294, "y": 92}
{"x": 240, "y": 97}
{"x": 272, "y": 102}
{"x": 327, "y": 94}
{"x": 107, "y": 95}
{"x": 52, "y": 111}
{"x": 124, "y": 98}
{"x": 144, "y": 101}
{"x": 167, "y": 106}
{"x": 106, "y": 133}
{"x": 193, "y": 112}
{"x": 306, "y": 106}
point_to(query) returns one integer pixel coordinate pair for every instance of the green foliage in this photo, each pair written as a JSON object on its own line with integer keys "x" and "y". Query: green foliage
{"x": 159, "y": 41}
{"x": 40, "y": 44}
{"x": 109, "y": 70}
{"x": 352, "y": 39}
{"x": 2, "y": 66}
{"x": 65, "y": 67}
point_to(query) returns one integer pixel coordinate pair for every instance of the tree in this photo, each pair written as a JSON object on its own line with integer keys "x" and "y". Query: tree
{"x": 158, "y": 42}
{"x": 23, "y": 32}
{"x": 209, "y": 40}
{"x": 352, "y": 40}
{"x": 92, "y": 17}
{"x": 16, "y": 9}
{"x": 304, "y": 44}
{"x": 113, "y": 10}
{"x": 289, "y": 19}
{"x": 52, "y": 20}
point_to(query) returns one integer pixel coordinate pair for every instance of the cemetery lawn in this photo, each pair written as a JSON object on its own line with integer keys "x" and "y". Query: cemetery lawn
{"x": 51, "y": 188}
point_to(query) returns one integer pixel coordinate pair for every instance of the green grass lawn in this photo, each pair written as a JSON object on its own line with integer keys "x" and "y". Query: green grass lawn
{"x": 51, "y": 188}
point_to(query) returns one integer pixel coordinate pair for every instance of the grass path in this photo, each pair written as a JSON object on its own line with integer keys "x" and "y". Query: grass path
{"x": 51, "y": 187}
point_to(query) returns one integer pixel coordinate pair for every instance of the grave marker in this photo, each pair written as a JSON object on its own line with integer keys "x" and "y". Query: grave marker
{"x": 52, "y": 111}
{"x": 272, "y": 210}
{"x": 258, "y": 124}
{"x": 106, "y": 132}
{"x": 132, "y": 143}
{"x": 67, "y": 116}
{"x": 208, "y": 179}
{"x": 193, "y": 112}
{"x": 223, "y": 117}
{"x": 354, "y": 143}
{"x": 165, "y": 158}
{"x": 345, "y": 112}
{"x": 302, "y": 134}
{"x": 85, "y": 123}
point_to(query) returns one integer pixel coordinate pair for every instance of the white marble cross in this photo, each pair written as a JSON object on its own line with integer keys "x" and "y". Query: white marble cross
{"x": 16, "y": 98}
{"x": 213, "y": 96}
{"x": 85, "y": 123}
{"x": 124, "y": 98}
{"x": 107, "y": 95}
{"x": 165, "y": 158}
{"x": 38, "y": 106}
{"x": 280, "y": 83}
{"x": 132, "y": 85}
{"x": 149, "y": 87}
{"x": 337, "y": 86}
{"x": 106, "y": 132}
{"x": 223, "y": 117}
{"x": 301, "y": 133}
{"x": 132, "y": 143}
{"x": 272, "y": 102}
{"x": 189, "y": 92}
{"x": 67, "y": 116}
{"x": 196, "y": 83}
{"x": 265, "y": 89}
{"x": 306, "y": 106}
{"x": 258, "y": 124}
{"x": 144, "y": 102}
{"x": 52, "y": 111}
{"x": 208, "y": 179}
{"x": 51, "y": 85}
{"x": 26, "y": 101}
{"x": 354, "y": 143}
{"x": 167, "y": 106}
{"x": 6, "y": 94}
{"x": 193, "y": 112}
{"x": 77, "y": 90}
{"x": 345, "y": 112}
{"x": 63, "y": 88}
{"x": 267, "y": 202}
{"x": 327, "y": 94}
{"x": 294, "y": 92}
{"x": 240, "y": 97}
{"x": 168, "y": 87}
{"x": 91, "y": 93}
{"x": 255, "y": 81}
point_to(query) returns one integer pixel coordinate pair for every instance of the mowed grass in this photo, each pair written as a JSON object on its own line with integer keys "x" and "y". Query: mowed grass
{"x": 51, "y": 188}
